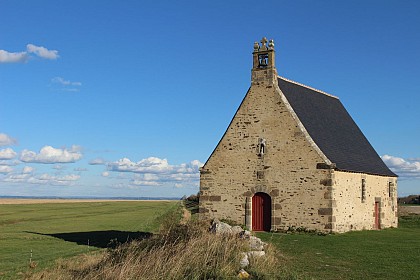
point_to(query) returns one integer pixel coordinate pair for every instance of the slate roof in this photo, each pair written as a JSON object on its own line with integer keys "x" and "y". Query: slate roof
{"x": 333, "y": 129}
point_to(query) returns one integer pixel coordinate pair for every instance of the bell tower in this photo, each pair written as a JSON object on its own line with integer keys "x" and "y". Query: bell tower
{"x": 264, "y": 66}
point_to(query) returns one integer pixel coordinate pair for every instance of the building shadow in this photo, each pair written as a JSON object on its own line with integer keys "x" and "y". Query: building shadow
{"x": 99, "y": 239}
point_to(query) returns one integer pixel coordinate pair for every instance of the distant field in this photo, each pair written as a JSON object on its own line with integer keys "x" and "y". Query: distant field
{"x": 413, "y": 209}
{"x": 385, "y": 254}
{"x": 58, "y": 200}
{"x": 60, "y": 230}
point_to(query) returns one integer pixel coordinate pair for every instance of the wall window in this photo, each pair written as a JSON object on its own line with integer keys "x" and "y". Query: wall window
{"x": 390, "y": 189}
{"x": 260, "y": 175}
{"x": 363, "y": 190}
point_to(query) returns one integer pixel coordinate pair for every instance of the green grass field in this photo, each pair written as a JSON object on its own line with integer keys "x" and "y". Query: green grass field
{"x": 52, "y": 231}
{"x": 385, "y": 254}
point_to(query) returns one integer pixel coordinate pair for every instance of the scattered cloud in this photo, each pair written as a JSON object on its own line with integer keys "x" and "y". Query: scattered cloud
{"x": 18, "y": 178}
{"x": 28, "y": 170}
{"x": 59, "y": 167}
{"x": 4, "y": 169}
{"x": 28, "y": 176}
{"x": 154, "y": 171}
{"x": 7, "y": 154}
{"x": 63, "y": 82}
{"x": 66, "y": 85}
{"x": 105, "y": 174}
{"x": 70, "y": 177}
{"x": 144, "y": 183}
{"x": 13, "y": 57}
{"x": 42, "y": 52}
{"x": 50, "y": 155}
{"x": 24, "y": 56}
{"x": 9, "y": 162}
{"x": 97, "y": 161}
{"x": 148, "y": 165}
{"x": 6, "y": 140}
{"x": 405, "y": 168}
{"x": 80, "y": 169}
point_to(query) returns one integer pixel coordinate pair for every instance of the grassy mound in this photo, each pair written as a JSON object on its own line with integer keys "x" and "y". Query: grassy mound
{"x": 179, "y": 251}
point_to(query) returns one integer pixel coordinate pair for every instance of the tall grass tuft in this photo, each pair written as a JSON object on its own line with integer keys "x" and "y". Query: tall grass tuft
{"x": 179, "y": 251}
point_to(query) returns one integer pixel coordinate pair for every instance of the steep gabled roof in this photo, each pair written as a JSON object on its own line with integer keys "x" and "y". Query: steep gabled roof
{"x": 333, "y": 130}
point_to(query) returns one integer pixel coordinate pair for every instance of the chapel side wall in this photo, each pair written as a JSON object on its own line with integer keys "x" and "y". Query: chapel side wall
{"x": 301, "y": 193}
{"x": 354, "y": 213}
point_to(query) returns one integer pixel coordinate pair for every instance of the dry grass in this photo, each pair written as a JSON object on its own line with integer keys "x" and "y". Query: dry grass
{"x": 180, "y": 251}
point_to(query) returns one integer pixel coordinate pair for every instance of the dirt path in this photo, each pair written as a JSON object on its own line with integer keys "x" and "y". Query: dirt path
{"x": 186, "y": 216}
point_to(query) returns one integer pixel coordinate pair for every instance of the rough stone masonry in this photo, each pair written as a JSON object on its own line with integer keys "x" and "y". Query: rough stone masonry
{"x": 292, "y": 157}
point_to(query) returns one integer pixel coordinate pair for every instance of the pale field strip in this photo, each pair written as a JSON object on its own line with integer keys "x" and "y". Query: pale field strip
{"x": 411, "y": 209}
{"x": 42, "y": 201}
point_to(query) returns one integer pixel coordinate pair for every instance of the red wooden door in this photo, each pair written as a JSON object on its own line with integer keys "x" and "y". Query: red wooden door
{"x": 261, "y": 212}
{"x": 377, "y": 224}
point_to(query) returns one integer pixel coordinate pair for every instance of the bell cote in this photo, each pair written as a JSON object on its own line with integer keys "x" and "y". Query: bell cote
{"x": 264, "y": 67}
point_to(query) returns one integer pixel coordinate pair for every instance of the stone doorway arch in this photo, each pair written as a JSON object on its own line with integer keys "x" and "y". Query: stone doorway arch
{"x": 261, "y": 212}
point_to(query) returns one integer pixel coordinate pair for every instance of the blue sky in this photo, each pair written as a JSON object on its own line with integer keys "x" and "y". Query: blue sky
{"x": 128, "y": 98}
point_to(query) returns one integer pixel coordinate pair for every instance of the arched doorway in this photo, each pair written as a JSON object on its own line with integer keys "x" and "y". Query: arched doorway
{"x": 261, "y": 212}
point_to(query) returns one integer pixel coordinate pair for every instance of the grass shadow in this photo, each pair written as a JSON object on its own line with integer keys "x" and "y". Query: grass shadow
{"x": 99, "y": 239}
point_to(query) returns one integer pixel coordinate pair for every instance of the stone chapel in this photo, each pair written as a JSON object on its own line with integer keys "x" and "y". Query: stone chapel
{"x": 292, "y": 157}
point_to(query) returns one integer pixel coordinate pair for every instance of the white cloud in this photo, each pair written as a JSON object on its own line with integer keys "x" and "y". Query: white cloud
{"x": 6, "y": 140}
{"x": 148, "y": 165}
{"x": 70, "y": 177}
{"x": 18, "y": 178}
{"x": 66, "y": 85}
{"x": 154, "y": 171}
{"x": 42, "y": 52}
{"x": 27, "y": 176}
{"x": 97, "y": 161}
{"x": 47, "y": 179}
{"x": 50, "y": 155}
{"x": 144, "y": 183}
{"x": 27, "y": 170}
{"x": 105, "y": 174}
{"x": 13, "y": 57}
{"x": 7, "y": 154}
{"x": 59, "y": 167}
{"x": 5, "y": 169}
{"x": 405, "y": 168}
{"x": 9, "y": 162}
{"x": 150, "y": 177}
{"x": 64, "y": 82}
{"x": 80, "y": 169}
{"x": 18, "y": 57}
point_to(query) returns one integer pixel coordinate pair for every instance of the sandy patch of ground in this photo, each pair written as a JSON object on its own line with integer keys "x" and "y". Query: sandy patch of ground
{"x": 409, "y": 209}
{"x": 41, "y": 201}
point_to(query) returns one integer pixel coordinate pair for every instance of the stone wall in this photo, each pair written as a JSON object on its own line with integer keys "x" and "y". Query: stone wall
{"x": 289, "y": 171}
{"x": 355, "y": 209}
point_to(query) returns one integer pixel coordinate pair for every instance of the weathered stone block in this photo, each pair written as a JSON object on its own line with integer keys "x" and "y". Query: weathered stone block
{"x": 325, "y": 211}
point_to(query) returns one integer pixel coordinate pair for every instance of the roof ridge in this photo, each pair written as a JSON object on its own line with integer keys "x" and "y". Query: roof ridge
{"x": 308, "y": 87}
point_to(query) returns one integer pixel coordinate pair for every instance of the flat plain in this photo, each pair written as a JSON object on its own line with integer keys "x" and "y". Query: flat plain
{"x": 392, "y": 253}
{"x": 36, "y": 234}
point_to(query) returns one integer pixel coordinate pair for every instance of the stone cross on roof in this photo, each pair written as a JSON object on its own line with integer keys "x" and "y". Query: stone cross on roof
{"x": 263, "y": 46}
{"x": 264, "y": 59}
